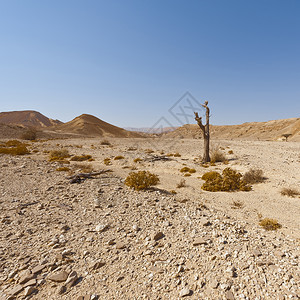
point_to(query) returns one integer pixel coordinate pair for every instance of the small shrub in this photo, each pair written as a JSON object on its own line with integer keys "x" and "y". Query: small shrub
{"x": 269, "y": 224}
{"x": 84, "y": 168}
{"x": 59, "y": 155}
{"x": 237, "y": 204}
{"x": 253, "y": 176}
{"x": 230, "y": 152}
{"x": 63, "y": 169}
{"x": 107, "y": 161}
{"x": 217, "y": 155}
{"x": 192, "y": 171}
{"x": 119, "y": 157}
{"x": 105, "y": 142}
{"x": 230, "y": 180}
{"x": 187, "y": 175}
{"x": 29, "y": 135}
{"x": 148, "y": 151}
{"x": 177, "y": 154}
{"x": 181, "y": 184}
{"x": 184, "y": 169}
{"x": 212, "y": 164}
{"x": 141, "y": 180}
{"x": 81, "y": 158}
{"x": 289, "y": 192}
{"x": 173, "y": 192}
{"x": 14, "y": 147}
{"x": 136, "y": 160}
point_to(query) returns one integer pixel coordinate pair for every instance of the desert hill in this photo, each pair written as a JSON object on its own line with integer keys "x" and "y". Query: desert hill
{"x": 28, "y": 118}
{"x": 89, "y": 125}
{"x": 271, "y": 130}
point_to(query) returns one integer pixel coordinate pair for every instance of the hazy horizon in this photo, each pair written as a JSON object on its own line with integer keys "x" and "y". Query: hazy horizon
{"x": 129, "y": 63}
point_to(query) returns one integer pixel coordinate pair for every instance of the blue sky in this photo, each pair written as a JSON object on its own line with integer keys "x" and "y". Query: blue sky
{"x": 128, "y": 62}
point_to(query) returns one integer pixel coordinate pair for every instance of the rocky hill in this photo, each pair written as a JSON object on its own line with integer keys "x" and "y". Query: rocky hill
{"x": 271, "y": 130}
{"x": 28, "y": 118}
{"x": 89, "y": 125}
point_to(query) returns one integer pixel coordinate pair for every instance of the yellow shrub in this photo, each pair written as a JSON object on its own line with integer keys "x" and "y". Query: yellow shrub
{"x": 270, "y": 224}
{"x": 119, "y": 157}
{"x": 59, "y": 155}
{"x": 81, "y": 157}
{"x": 107, "y": 161}
{"x": 14, "y": 147}
{"x": 141, "y": 180}
{"x": 137, "y": 160}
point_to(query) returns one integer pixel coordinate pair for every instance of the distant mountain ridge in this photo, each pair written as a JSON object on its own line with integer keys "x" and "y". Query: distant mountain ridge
{"x": 92, "y": 126}
{"x": 27, "y": 118}
{"x": 151, "y": 129}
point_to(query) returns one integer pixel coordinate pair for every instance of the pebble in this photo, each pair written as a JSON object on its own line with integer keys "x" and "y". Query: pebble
{"x": 59, "y": 276}
{"x": 185, "y": 292}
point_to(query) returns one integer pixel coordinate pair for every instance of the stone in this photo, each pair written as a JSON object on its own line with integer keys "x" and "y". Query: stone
{"x": 61, "y": 290}
{"x": 29, "y": 290}
{"x": 157, "y": 236}
{"x": 199, "y": 241}
{"x": 97, "y": 203}
{"x": 25, "y": 276}
{"x": 98, "y": 265}
{"x": 229, "y": 295}
{"x": 185, "y": 292}
{"x": 72, "y": 278}
{"x": 102, "y": 227}
{"x": 120, "y": 245}
{"x": 214, "y": 283}
{"x": 16, "y": 290}
{"x": 30, "y": 282}
{"x": 256, "y": 252}
{"x": 58, "y": 277}
{"x": 38, "y": 269}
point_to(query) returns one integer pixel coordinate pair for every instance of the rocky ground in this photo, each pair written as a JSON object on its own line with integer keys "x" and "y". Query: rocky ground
{"x": 98, "y": 239}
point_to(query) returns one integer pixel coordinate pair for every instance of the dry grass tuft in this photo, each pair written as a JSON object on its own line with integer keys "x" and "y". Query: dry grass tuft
{"x": 119, "y": 157}
{"x": 29, "y": 135}
{"x": 141, "y": 180}
{"x": 181, "y": 184}
{"x": 269, "y": 224}
{"x": 63, "y": 169}
{"x": 82, "y": 158}
{"x": 84, "y": 168}
{"x": 136, "y": 160}
{"x": 107, "y": 161}
{"x": 105, "y": 143}
{"x": 289, "y": 192}
{"x": 230, "y": 152}
{"x": 59, "y": 155}
{"x": 14, "y": 147}
{"x": 216, "y": 155}
{"x": 253, "y": 176}
{"x": 236, "y": 204}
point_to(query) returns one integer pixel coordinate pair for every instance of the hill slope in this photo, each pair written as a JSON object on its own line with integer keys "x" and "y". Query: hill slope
{"x": 92, "y": 126}
{"x": 28, "y": 118}
{"x": 271, "y": 130}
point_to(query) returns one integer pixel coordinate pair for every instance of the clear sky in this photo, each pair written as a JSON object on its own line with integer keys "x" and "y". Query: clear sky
{"x": 128, "y": 62}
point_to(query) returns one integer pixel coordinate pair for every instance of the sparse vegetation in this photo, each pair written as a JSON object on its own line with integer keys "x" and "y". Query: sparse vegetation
{"x": 217, "y": 155}
{"x": 63, "y": 169}
{"x": 136, "y": 160}
{"x": 107, "y": 161}
{"x": 84, "y": 168}
{"x": 59, "y": 155}
{"x": 105, "y": 143}
{"x": 269, "y": 224}
{"x": 230, "y": 180}
{"x": 174, "y": 154}
{"x": 119, "y": 157}
{"x": 253, "y": 176}
{"x": 29, "y": 135}
{"x": 148, "y": 151}
{"x": 230, "y": 152}
{"x": 290, "y": 192}
{"x": 141, "y": 180}
{"x": 184, "y": 169}
{"x": 82, "y": 158}
{"x": 14, "y": 147}
{"x": 173, "y": 192}
{"x": 181, "y": 184}
{"x": 237, "y": 204}
{"x": 187, "y": 175}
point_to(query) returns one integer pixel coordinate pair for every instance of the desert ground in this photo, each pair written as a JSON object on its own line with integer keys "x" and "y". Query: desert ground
{"x": 99, "y": 239}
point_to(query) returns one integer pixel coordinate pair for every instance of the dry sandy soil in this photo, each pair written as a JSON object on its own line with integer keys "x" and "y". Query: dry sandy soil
{"x": 98, "y": 239}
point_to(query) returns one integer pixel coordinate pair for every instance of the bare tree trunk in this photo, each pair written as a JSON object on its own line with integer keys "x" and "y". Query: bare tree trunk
{"x": 205, "y": 131}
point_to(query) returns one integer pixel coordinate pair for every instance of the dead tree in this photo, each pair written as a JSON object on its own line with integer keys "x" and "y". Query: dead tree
{"x": 286, "y": 136}
{"x": 205, "y": 131}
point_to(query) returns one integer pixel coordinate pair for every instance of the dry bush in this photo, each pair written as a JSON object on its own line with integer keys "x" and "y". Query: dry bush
{"x": 230, "y": 180}
{"x": 29, "y": 135}
{"x": 187, "y": 175}
{"x": 173, "y": 192}
{"x": 105, "y": 142}
{"x": 148, "y": 151}
{"x": 63, "y": 169}
{"x": 237, "y": 204}
{"x": 184, "y": 169}
{"x": 269, "y": 224}
{"x": 230, "y": 152}
{"x": 136, "y": 160}
{"x": 119, "y": 157}
{"x": 59, "y": 155}
{"x": 84, "y": 168}
{"x": 141, "y": 180}
{"x": 181, "y": 184}
{"x": 14, "y": 147}
{"x": 82, "y": 158}
{"x": 290, "y": 192}
{"x": 177, "y": 154}
{"x": 253, "y": 176}
{"x": 107, "y": 161}
{"x": 216, "y": 155}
